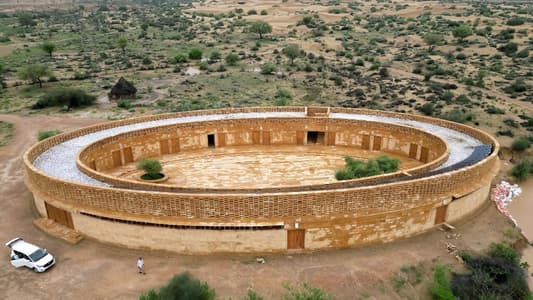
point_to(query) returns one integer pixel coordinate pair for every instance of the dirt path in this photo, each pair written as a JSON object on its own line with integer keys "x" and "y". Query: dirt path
{"x": 93, "y": 270}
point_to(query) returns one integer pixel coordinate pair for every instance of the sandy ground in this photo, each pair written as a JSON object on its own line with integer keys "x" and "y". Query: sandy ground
{"x": 521, "y": 209}
{"x": 93, "y": 270}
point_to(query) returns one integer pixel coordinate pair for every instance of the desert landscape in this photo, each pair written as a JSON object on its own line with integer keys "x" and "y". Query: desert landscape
{"x": 466, "y": 62}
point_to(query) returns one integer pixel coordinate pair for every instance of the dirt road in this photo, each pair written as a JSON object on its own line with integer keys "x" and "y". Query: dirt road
{"x": 92, "y": 270}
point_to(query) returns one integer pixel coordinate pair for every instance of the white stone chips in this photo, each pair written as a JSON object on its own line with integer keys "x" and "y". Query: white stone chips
{"x": 60, "y": 160}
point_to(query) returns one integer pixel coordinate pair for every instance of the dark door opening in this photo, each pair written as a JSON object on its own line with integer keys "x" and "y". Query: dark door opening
{"x": 211, "y": 140}
{"x": 315, "y": 137}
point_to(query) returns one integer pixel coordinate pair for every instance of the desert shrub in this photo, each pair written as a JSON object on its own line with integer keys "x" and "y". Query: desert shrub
{"x": 503, "y": 251}
{"x": 181, "y": 287}
{"x": 497, "y": 276}
{"x": 440, "y": 287}
{"x": 520, "y": 144}
{"x": 518, "y": 86}
{"x": 509, "y": 49}
{"x": 268, "y": 69}
{"x": 515, "y": 21}
{"x": 457, "y": 115}
{"x": 195, "y": 53}
{"x": 522, "y": 53}
{"x": 124, "y": 103}
{"x": 180, "y": 58}
{"x": 523, "y": 169}
{"x": 427, "y": 109}
{"x": 306, "y": 292}
{"x": 151, "y": 167}
{"x": 355, "y": 168}
{"x": 232, "y": 59}
{"x": 493, "y": 110}
{"x": 252, "y": 295}
{"x": 65, "y": 97}
{"x": 47, "y": 133}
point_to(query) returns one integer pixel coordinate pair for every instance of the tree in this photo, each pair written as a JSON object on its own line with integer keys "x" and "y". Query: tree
{"x": 26, "y": 19}
{"x": 35, "y": 73}
{"x": 260, "y": 27}
{"x": 433, "y": 39}
{"x": 462, "y": 31}
{"x": 48, "y": 47}
{"x": 232, "y": 59}
{"x": 122, "y": 43}
{"x": 291, "y": 51}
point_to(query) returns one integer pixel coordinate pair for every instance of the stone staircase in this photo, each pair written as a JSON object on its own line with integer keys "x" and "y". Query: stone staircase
{"x": 57, "y": 230}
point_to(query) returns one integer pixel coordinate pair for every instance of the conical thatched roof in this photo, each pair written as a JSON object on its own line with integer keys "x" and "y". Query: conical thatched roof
{"x": 123, "y": 88}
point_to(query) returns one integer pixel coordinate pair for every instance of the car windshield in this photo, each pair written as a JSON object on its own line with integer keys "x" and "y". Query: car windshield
{"x": 40, "y": 253}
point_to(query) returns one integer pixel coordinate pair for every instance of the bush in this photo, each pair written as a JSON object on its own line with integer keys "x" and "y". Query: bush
{"x": 491, "y": 278}
{"x": 518, "y": 86}
{"x": 440, "y": 287}
{"x": 268, "y": 69}
{"x": 181, "y": 287}
{"x": 151, "y": 167}
{"x": 520, "y": 144}
{"x": 46, "y": 134}
{"x": 427, "y": 109}
{"x": 509, "y": 49}
{"x": 126, "y": 104}
{"x": 523, "y": 169}
{"x": 503, "y": 251}
{"x": 306, "y": 292}
{"x": 195, "y": 54}
{"x": 232, "y": 59}
{"x": 515, "y": 21}
{"x": 65, "y": 97}
{"x": 355, "y": 168}
{"x": 458, "y": 116}
{"x": 180, "y": 58}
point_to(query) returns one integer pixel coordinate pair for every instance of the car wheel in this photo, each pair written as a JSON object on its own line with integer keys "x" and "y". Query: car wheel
{"x": 35, "y": 270}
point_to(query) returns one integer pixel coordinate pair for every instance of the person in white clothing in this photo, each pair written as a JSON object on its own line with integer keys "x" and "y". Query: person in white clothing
{"x": 140, "y": 265}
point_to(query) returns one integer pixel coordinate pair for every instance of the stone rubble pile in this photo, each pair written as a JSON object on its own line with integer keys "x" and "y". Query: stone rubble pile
{"x": 503, "y": 195}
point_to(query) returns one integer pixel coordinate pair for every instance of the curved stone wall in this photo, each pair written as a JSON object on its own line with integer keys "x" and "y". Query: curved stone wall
{"x": 98, "y": 157}
{"x": 271, "y": 221}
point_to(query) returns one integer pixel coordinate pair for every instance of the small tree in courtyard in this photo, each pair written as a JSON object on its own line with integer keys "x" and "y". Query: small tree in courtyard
{"x": 152, "y": 169}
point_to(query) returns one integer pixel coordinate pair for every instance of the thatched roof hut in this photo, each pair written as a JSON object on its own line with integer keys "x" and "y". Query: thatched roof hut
{"x": 122, "y": 89}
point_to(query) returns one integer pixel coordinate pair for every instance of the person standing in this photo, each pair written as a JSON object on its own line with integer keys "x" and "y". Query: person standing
{"x": 140, "y": 266}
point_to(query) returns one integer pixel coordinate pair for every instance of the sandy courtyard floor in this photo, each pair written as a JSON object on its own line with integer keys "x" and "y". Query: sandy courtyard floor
{"x": 256, "y": 166}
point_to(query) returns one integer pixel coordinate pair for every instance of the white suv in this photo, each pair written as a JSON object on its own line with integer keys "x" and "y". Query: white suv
{"x": 24, "y": 254}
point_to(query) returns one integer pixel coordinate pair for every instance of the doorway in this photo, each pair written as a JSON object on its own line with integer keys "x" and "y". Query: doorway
{"x": 315, "y": 137}
{"x": 211, "y": 141}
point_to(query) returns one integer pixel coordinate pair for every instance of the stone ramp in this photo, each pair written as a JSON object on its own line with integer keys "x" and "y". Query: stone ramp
{"x": 57, "y": 230}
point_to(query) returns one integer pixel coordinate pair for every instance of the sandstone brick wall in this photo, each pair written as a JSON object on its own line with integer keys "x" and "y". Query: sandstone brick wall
{"x": 98, "y": 157}
{"x": 332, "y": 218}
